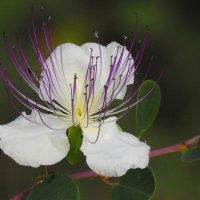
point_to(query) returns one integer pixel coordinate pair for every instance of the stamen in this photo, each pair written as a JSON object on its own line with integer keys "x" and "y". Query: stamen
{"x": 72, "y": 104}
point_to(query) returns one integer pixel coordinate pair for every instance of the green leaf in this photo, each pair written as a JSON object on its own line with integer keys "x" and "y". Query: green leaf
{"x": 147, "y": 109}
{"x": 137, "y": 184}
{"x": 191, "y": 155}
{"x": 75, "y": 141}
{"x": 55, "y": 187}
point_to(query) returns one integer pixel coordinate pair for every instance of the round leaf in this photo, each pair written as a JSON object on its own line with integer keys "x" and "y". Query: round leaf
{"x": 137, "y": 184}
{"x": 147, "y": 109}
{"x": 55, "y": 187}
{"x": 75, "y": 141}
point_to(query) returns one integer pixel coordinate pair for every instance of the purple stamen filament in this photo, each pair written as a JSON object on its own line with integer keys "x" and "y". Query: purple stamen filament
{"x": 90, "y": 104}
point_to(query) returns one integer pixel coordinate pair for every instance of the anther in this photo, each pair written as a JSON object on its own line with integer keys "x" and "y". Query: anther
{"x": 105, "y": 87}
{"x": 49, "y": 18}
{"x": 96, "y": 34}
{"x": 75, "y": 76}
{"x": 29, "y": 71}
{"x": 125, "y": 37}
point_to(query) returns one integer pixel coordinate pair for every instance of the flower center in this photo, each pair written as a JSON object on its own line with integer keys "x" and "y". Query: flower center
{"x": 79, "y": 111}
{"x": 79, "y": 114}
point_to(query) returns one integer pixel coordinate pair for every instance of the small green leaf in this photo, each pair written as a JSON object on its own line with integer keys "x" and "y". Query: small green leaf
{"x": 55, "y": 187}
{"x": 75, "y": 141}
{"x": 137, "y": 184}
{"x": 147, "y": 109}
{"x": 191, "y": 155}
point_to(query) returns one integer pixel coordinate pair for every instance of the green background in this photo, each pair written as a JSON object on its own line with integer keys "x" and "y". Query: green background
{"x": 174, "y": 42}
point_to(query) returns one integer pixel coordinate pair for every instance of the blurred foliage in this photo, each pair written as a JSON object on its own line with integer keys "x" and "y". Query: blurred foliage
{"x": 173, "y": 42}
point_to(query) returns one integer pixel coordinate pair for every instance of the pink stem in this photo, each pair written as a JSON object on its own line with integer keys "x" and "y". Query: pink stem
{"x": 81, "y": 175}
{"x": 166, "y": 150}
{"x": 157, "y": 152}
{"x": 176, "y": 148}
{"x": 23, "y": 194}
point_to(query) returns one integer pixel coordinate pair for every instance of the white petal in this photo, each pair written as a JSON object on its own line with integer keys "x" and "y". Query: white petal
{"x": 34, "y": 144}
{"x": 66, "y": 61}
{"x": 103, "y": 71}
{"x": 115, "y": 152}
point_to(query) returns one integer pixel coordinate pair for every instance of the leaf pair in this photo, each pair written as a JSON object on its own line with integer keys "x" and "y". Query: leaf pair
{"x": 136, "y": 184}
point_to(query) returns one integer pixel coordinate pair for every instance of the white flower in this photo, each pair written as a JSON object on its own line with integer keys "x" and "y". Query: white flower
{"x": 76, "y": 87}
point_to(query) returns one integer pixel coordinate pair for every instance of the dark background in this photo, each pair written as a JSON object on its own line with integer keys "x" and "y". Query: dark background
{"x": 174, "y": 42}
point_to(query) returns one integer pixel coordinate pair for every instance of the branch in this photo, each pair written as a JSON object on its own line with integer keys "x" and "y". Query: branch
{"x": 23, "y": 194}
{"x": 177, "y": 147}
{"x": 82, "y": 175}
{"x": 157, "y": 152}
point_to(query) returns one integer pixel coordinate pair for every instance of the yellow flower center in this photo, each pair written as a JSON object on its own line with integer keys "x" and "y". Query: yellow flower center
{"x": 79, "y": 114}
{"x": 79, "y": 111}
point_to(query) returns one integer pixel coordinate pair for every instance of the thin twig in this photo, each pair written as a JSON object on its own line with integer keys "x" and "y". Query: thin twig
{"x": 23, "y": 194}
{"x": 177, "y": 147}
